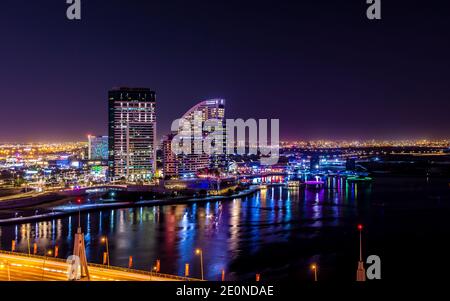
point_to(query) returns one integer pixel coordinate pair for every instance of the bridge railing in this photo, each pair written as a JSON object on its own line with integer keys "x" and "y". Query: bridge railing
{"x": 32, "y": 256}
{"x": 105, "y": 267}
{"x": 146, "y": 273}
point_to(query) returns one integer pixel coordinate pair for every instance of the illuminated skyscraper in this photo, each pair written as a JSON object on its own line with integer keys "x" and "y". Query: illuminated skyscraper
{"x": 132, "y": 133}
{"x": 98, "y": 147}
{"x": 189, "y": 164}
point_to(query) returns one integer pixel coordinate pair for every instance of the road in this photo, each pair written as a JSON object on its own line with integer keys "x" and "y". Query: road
{"x": 24, "y": 268}
{"x": 29, "y": 194}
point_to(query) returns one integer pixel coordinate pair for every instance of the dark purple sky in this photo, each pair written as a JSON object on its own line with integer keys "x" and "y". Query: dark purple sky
{"x": 320, "y": 67}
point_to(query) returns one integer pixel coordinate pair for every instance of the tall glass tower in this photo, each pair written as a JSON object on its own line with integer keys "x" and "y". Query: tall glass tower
{"x": 132, "y": 133}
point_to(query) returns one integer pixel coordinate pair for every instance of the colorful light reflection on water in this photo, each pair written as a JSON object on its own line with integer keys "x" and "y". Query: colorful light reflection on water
{"x": 235, "y": 235}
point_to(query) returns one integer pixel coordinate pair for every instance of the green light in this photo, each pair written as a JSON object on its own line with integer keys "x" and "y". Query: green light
{"x": 359, "y": 179}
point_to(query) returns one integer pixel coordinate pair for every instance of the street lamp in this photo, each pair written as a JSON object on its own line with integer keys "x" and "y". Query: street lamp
{"x": 48, "y": 253}
{"x": 314, "y": 269}
{"x": 6, "y": 265}
{"x": 105, "y": 240}
{"x": 200, "y": 252}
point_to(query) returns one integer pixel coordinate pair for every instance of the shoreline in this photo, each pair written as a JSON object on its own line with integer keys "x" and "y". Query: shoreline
{"x": 31, "y": 200}
{"x": 123, "y": 204}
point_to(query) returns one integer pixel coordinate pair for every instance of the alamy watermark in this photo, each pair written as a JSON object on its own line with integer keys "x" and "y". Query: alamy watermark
{"x": 73, "y": 267}
{"x": 374, "y": 267}
{"x": 217, "y": 137}
{"x": 374, "y": 10}
{"x": 73, "y": 11}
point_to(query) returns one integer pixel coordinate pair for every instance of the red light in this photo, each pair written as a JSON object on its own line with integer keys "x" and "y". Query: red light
{"x": 79, "y": 201}
{"x": 360, "y": 227}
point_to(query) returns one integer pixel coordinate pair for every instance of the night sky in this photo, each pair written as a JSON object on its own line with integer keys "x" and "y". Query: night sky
{"x": 321, "y": 67}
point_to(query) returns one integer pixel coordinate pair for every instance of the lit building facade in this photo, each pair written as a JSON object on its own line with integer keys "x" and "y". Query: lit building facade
{"x": 169, "y": 158}
{"x": 97, "y": 147}
{"x": 132, "y": 133}
{"x": 189, "y": 164}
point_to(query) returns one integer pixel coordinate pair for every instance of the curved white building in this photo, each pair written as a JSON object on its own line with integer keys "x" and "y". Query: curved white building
{"x": 189, "y": 164}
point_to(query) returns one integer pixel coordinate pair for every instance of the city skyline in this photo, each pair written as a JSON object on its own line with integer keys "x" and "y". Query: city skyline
{"x": 231, "y": 148}
{"x": 327, "y": 71}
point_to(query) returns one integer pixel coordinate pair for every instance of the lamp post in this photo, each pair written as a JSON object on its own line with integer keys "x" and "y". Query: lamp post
{"x": 49, "y": 253}
{"x": 314, "y": 269}
{"x": 200, "y": 253}
{"x": 105, "y": 240}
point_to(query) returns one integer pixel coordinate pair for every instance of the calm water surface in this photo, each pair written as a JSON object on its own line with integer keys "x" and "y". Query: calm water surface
{"x": 276, "y": 232}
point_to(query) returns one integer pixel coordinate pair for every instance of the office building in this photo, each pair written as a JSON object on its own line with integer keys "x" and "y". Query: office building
{"x": 132, "y": 133}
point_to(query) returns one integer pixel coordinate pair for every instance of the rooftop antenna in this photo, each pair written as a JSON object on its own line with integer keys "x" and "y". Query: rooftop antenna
{"x": 79, "y": 213}
{"x": 360, "y": 272}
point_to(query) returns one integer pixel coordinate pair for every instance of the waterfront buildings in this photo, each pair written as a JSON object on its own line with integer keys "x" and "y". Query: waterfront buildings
{"x": 132, "y": 133}
{"x": 170, "y": 159}
{"x": 97, "y": 147}
{"x": 185, "y": 165}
